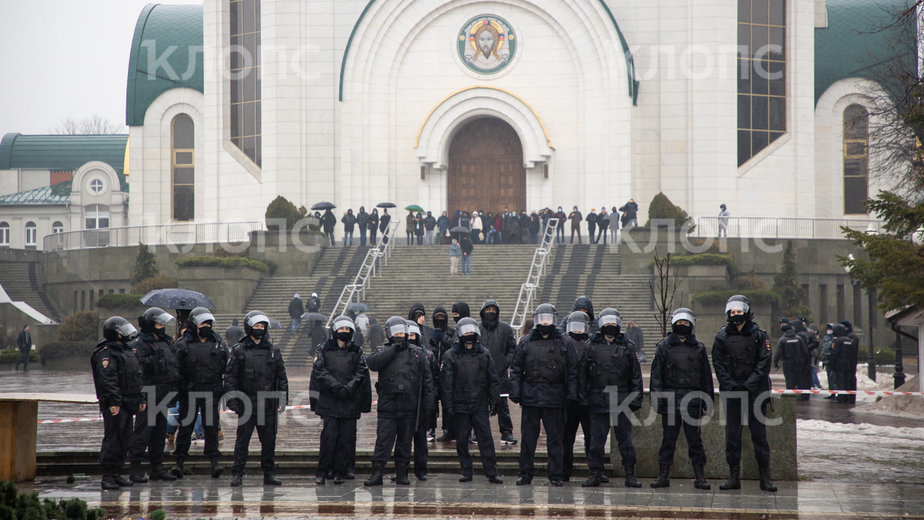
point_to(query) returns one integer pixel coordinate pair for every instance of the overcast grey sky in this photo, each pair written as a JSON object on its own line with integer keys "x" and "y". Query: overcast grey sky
{"x": 65, "y": 58}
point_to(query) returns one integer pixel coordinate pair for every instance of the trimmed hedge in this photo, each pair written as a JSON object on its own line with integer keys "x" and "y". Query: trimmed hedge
{"x": 227, "y": 262}
{"x": 65, "y": 349}
{"x": 702, "y": 259}
{"x": 119, "y": 301}
{"x": 8, "y": 356}
{"x": 79, "y": 326}
{"x": 661, "y": 208}
{"x": 720, "y": 296}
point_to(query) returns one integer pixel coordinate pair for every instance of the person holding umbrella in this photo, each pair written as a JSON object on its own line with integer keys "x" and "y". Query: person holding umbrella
{"x": 328, "y": 222}
{"x": 383, "y": 224}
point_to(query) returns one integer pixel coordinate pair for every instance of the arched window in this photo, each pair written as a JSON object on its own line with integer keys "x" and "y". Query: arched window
{"x": 856, "y": 159}
{"x": 31, "y": 234}
{"x": 762, "y": 60}
{"x": 245, "y": 99}
{"x": 4, "y": 234}
{"x": 183, "y": 165}
{"x": 96, "y": 216}
{"x": 57, "y": 227}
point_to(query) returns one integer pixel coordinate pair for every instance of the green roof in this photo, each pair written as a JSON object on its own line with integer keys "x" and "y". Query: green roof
{"x": 63, "y": 152}
{"x": 860, "y": 42}
{"x": 172, "y": 36}
{"x": 58, "y": 194}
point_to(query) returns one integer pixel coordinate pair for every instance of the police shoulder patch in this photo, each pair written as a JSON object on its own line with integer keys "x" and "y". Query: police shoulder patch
{"x": 767, "y": 344}
{"x": 105, "y": 362}
{"x": 316, "y": 356}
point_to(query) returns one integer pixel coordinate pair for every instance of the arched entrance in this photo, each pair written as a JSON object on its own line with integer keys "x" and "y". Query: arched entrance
{"x": 486, "y": 169}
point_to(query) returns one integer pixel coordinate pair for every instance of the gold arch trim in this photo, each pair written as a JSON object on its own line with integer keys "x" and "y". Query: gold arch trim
{"x": 548, "y": 141}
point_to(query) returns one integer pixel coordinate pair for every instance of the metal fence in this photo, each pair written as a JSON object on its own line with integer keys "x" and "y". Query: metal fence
{"x": 167, "y": 234}
{"x": 769, "y": 227}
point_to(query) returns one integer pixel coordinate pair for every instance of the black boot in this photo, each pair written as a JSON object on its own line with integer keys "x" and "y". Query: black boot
{"x": 121, "y": 481}
{"x": 137, "y": 474}
{"x": 319, "y": 479}
{"x": 765, "y": 484}
{"x": 270, "y": 479}
{"x": 375, "y": 479}
{"x": 177, "y": 470}
{"x": 159, "y": 473}
{"x": 401, "y": 474}
{"x": 699, "y": 480}
{"x": 108, "y": 483}
{"x": 734, "y": 478}
{"x": 664, "y": 477}
{"x": 593, "y": 480}
{"x": 217, "y": 470}
{"x": 237, "y": 479}
{"x": 631, "y": 482}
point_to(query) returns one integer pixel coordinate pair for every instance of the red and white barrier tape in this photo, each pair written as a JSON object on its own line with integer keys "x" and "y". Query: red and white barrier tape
{"x": 799, "y": 391}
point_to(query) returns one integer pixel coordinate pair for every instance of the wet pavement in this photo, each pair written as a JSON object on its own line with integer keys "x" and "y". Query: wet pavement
{"x": 851, "y": 465}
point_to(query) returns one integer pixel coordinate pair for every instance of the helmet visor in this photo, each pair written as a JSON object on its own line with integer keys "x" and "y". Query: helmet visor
{"x": 257, "y": 318}
{"x": 413, "y": 329}
{"x": 683, "y": 316}
{"x": 127, "y": 330}
{"x": 609, "y": 319}
{"x": 469, "y": 328}
{"x": 203, "y": 317}
{"x": 546, "y": 318}
{"x": 736, "y": 306}
{"x": 577, "y": 326}
{"x": 397, "y": 328}
{"x": 343, "y": 322}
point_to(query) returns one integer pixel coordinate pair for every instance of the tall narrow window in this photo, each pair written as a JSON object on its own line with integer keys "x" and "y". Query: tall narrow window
{"x": 761, "y": 75}
{"x": 183, "y": 164}
{"x": 57, "y": 227}
{"x": 31, "y": 234}
{"x": 246, "y": 93}
{"x": 856, "y": 159}
{"x": 96, "y": 216}
{"x": 4, "y": 234}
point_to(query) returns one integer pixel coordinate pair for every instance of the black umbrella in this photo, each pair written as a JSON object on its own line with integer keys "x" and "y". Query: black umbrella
{"x": 322, "y": 205}
{"x": 176, "y": 299}
{"x": 314, "y": 316}
{"x": 357, "y": 307}
{"x": 275, "y": 324}
{"x": 386, "y": 205}
{"x": 460, "y": 229}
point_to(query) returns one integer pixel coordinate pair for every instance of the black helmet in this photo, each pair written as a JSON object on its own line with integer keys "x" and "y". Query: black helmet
{"x": 609, "y": 316}
{"x": 395, "y": 325}
{"x": 467, "y": 326}
{"x": 252, "y": 318}
{"x": 545, "y": 308}
{"x": 200, "y": 315}
{"x": 683, "y": 313}
{"x": 739, "y": 302}
{"x": 151, "y": 316}
{"x": 118, "y": 328}
{"x": 577, "y": 322}
{"x": 340, "y": 322}
{"x": 413, "y": 328}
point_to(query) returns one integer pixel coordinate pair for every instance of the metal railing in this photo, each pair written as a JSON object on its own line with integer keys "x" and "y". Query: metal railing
{"x": 770, "y": 227}
{"x": 166, "y": 234}
{"x": 356, "y": 291}
{"x": 536, "y": 270}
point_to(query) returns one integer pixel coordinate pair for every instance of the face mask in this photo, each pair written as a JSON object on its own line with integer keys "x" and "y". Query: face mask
{"x": 490, "y": 316}
{"x": 345, "y": 336}
{"x": 682, "y": 330}
{"x": 205, "y": 332}
{"x": 469, "y": 339}
{"x": 161, "y": 333}
{"x": 737, "y": 319}
{"x": 456, "y": 318}
{"x": 258, "y": 333}
{"x": 610, "y": 330}
{"x": 545, "y": 330}
{"x": 440, "y": 323}
{"x": 578, "y": 337}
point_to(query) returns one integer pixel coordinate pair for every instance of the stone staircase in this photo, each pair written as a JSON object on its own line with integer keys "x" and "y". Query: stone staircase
{"x": 20, "y": 281}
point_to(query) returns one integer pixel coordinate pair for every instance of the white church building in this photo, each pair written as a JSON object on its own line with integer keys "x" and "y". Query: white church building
{"x": 764, "y": 105}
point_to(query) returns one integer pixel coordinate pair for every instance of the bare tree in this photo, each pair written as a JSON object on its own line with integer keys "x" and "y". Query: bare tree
{"x": 90, "y": 125}
{"x": 663, "y": 285}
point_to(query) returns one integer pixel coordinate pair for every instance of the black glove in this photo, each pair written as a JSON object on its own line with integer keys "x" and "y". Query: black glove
{"x": 235, "y": 406}
{"x": 492, "y": 409}
{"x": 400, "y": 346}
{"x": 514, "y": 399}
{"x": 343, "y": 392}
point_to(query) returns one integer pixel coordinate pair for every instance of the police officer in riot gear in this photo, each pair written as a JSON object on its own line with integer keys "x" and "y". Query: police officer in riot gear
{"x": 421, "y": 450}
{"x": 843, "y": 361}
{"x": 471, "y": 389}
{"x": 118, "y": 378}
{"x": 203, "y": 358}
{"x": 577, "y": 328}
{"x": 543, "y": 380}
{"x": 792, "y": 351}
{"x": 498, "y": 338}
{"x": 406, "y": 393}
{"x": 441, "y": 341}
{"x": 741, "y": 355}
{"x": 259, "y": 390}
{"x": 610, "y": 361}
{"x": 340, "y": 392}
{"x": 161, "y": 371}
{"x": 681, "y": 367}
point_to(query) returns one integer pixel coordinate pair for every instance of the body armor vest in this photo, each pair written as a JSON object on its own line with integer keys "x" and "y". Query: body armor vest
{"x": 546, "y": 362}
{"x": 259, "y": 372}
{"x": 683, "y": 367}
{"x": 341, "y": 363}
{"x": 845, "y": 349}
{"x": 402, "y": 375}
{"x": 742, "y": 351}
{"x": 164, "y": 365}
{"x": 608, "y": 365}
{"x": 203, "y": 363}
{"x": 469, "y": 384}
{"x": 791, "y": 349}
